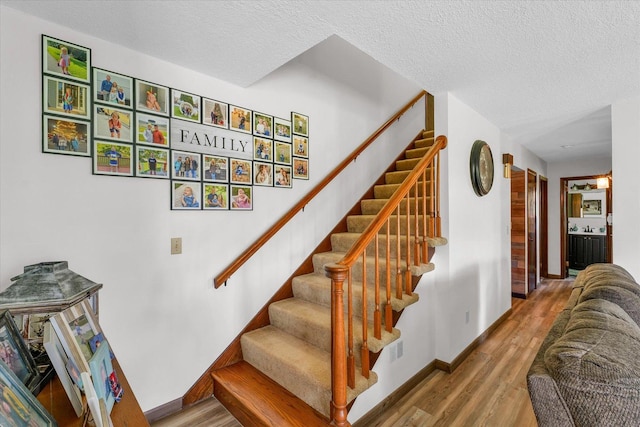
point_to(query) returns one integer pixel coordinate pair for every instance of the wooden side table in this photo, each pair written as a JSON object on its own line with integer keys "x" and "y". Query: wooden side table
{"x": 126, "y": 413}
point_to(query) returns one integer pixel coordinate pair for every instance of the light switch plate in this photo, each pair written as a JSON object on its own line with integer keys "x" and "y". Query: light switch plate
{"x": 176, "y": 245}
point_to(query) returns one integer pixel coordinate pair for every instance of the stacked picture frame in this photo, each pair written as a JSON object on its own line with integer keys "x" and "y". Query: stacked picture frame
{"x": 125, "y": 125}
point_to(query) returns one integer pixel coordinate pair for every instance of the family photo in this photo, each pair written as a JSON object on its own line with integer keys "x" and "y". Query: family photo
{"x": 111, "y": 158}
{"x": 185, "y": 106}
{"x": 240, "y": 119}
{"x": 152, "y": 98}
{"x": 215, "y": 113}
{"x": 152, "y": 130}
{"x": 216, "y": 168}
{"x": 240, "y": 171}
{"x": 66, "y": 59}
{"x": 112, "y": 88}
{"x": 215, "y": 196}
{"x": 66, "y": 136}
{"x": 241, "y": 197}
{"x": 66, "y": 98}
{"x": 186, "y": 195}
{"x": 112, "y": 123}
{"x": 152, "y": 162}
{"x": 186, "y": 165}
{"x": 282, "y": 129}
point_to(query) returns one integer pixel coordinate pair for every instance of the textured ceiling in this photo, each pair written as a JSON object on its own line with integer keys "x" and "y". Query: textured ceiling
{"x": 545, "y": 72}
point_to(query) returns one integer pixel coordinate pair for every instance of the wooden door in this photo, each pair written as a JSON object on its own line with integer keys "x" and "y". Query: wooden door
{"x": 518, "y": 234}
{"x": 532, "y": 264}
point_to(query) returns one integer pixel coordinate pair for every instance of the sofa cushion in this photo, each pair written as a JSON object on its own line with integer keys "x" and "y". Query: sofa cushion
{"x": 596, "y": 273}
{"x": 624, "y": 293}
{"x": 596, "y": 367}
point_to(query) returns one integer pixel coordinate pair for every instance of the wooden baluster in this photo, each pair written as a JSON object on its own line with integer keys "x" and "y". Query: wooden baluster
{"x": 388, "y": 316}
{"x": 338, "y": 273}
{"x": 365, "y": 344}
{"x": 407, "y": 273}
{"x": 438, "y": 222}
{"x": 398, "y": 256}
{"x": 377, "y": 316}
{"x": 351, "y": 360}
{"x": 425, "y": 254}
{"x": 432, "y": 209}
{"x": 416, "y": 230}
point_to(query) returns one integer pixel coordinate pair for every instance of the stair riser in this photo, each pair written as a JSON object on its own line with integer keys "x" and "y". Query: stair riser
{"x": 386, "y": 191}
{"x": 373, "y": 206}
{"x": 357, "y": 224}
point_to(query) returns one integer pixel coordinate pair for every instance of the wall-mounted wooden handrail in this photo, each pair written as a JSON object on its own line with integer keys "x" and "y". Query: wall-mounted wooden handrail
{"x": 222, "y": 278}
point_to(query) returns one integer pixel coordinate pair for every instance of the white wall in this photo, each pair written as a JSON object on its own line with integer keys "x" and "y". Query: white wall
{"x": 559, "y": 170}
{"x": 474, "y": 282}
{"x": 161, "y": 313}
{"x": 625, "y": 127}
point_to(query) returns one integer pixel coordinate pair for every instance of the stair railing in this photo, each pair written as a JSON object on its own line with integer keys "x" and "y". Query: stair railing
{"x": 422, "y": 223}
{"x": 235, "y": 265}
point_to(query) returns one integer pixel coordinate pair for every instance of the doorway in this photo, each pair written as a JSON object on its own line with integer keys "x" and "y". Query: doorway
{"x": 584, "y": 226}
{"x": 532, "y": 252}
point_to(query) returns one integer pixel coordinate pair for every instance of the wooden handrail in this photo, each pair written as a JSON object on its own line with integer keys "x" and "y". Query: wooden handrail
{"x": 372, "y": 230}
{"x": 222, "y": 278}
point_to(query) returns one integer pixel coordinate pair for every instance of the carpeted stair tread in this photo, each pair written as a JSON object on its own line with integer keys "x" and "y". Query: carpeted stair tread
{"x": 359, "y": 223}
{"x": 342, "y": 242}
{"x": 373, "y": 206}
{"x": 385, "y": 191}
{"x": 424, "y": 142}
{"x": 397, "y": 177}
{"x": 312, "y": 323}
{"x": 406, "y": 164}
{"x": 416, "y": 153}
{"x": 298, "y": 366}
{"x": 316, "y": 288}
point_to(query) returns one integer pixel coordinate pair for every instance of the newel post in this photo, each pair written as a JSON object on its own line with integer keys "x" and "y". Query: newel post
{"x": 338, "y": 274}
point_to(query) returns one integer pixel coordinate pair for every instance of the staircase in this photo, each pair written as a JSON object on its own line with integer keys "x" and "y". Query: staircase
{"x": 285, "y": 378}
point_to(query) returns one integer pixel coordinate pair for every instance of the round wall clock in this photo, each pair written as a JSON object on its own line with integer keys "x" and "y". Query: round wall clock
{"x": 481, "y": 167}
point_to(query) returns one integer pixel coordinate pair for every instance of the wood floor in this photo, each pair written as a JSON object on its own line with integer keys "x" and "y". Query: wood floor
{"x": 487, "y": 389}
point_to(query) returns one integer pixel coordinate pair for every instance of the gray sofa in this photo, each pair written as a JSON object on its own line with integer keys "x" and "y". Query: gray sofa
{"x": 587, "y": 371}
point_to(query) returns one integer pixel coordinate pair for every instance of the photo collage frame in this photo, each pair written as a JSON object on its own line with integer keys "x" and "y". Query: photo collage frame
{"x": 124, "y": 124}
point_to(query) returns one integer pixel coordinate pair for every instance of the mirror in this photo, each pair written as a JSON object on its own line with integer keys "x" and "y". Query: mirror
{"x": 574, "y": 205}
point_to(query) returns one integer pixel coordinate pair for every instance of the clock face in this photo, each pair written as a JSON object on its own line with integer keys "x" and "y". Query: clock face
{"x": 481, "y": 168}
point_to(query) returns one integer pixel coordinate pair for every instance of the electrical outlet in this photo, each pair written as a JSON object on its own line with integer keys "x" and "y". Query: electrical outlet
{"x": 399, "y": 350}
{"x": 466, "y": 317}
{"x": 176, "y": 245}
{"x": 392, "y": 353}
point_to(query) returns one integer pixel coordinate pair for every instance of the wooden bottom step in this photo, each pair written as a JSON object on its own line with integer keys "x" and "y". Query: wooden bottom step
{"x": 256, "y": 400}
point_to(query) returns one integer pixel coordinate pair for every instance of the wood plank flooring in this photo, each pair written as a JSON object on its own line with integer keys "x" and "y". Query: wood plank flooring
{"x": 487, "y": 389}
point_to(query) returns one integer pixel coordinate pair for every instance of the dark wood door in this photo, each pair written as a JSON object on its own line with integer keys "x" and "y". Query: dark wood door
{"x": 532, "y": 265}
